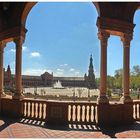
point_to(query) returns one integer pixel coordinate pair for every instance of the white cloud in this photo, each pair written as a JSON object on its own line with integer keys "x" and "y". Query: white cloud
{"x": 24, "y": 48}
{"x": 13, "y": 71}
{"x": 35, "y": 54}
{"x": 31, "y": 71}
{"x": 59, "y": 73}
{"x": 13, "y": 50}
{"x": 96, "y": 73}
{"x": 72, "y": 69}
{"x": 12, "y": 63}
{"x": 77, "y": 72}
{"x": 63, "y": 65}
{"x": 60, "y": 69}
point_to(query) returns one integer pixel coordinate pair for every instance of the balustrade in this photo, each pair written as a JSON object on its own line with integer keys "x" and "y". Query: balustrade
{"x": 82, "y": 113}
{"x": 34, "y": 109}
{"x": 136, "y": 110}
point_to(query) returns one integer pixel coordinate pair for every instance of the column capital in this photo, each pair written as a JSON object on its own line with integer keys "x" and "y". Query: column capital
{"x": 19, "y": 40}
{"x": 126, "y": 39}
{"x": 103, "y": 35}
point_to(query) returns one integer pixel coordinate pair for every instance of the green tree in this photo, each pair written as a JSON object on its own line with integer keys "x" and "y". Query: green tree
{"x": 118, "y": 73}
{"x": 136, "y": 70}
{"x": 110, "y": 82}
{"x": 118, "y": 78}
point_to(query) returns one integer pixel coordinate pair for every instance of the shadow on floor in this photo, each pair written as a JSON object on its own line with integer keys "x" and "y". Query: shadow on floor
{"x": 7, "y": 122}
{"x": 68, "y": 127}
{"x": 111, "y": 132}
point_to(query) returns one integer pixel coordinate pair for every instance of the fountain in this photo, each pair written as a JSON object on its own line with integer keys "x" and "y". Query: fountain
{"x": 58, "y": 85}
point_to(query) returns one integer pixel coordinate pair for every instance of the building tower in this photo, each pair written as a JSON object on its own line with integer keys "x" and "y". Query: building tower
{"x": 90, "y": 78}
{"x": 7, "y": 77}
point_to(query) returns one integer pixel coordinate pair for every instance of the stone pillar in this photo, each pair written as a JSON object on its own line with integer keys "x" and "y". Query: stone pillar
{"x": 2, "y": 46}
{"x": 126, "y": 38}
{"x": 103, "y": 36}
{"x": 18, "y": 77}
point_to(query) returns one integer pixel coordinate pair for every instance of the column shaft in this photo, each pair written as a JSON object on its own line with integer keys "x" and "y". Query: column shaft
{"x": 2, "y": 45}
{"x": 103, "y": 36}
{"x": 126, "y": 38}
{"x": 18, "y": 68}
{"x": 18, "y": 76}
{"x": 103, "y": 69}
{"x": 126, "y": 82}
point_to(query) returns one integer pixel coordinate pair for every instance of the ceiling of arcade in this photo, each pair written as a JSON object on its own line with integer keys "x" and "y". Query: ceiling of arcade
{"x": 13, "y": 15}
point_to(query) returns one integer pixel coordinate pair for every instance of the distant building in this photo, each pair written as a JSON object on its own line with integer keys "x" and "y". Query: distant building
{"x": 90, "y": 78}
{"x": 47, "y": 79}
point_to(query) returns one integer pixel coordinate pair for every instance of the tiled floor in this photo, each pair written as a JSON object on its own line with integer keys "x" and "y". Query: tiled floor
{"x": 36, "y": 129}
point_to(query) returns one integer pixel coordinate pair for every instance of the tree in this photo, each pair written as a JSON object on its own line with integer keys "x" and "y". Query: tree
{"x": 136, "y": 70}
{"x": 110, "y": 82}
{"x": 118, "y": 78}
{"x": 118, "y": 73}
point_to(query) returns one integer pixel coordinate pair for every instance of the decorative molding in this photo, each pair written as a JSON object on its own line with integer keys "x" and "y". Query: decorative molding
{"x": 114, "y": 26}
{"x": 19, "y": 40}
{"x": 12, "y": 33}
{"x": 103, "y": 35}
{"x": 126, "y": 39}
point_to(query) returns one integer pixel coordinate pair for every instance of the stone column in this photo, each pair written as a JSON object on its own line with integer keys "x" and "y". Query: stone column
{"x": 126, "y": 38}
{"x": 103, "y": 36}
{"x": 18, "y": 77}
{"x": 2, "y": 46}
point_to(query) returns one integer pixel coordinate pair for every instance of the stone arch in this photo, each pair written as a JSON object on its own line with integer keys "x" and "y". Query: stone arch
{"x": 28, "y": 6}
{"x": 136, "y": 7}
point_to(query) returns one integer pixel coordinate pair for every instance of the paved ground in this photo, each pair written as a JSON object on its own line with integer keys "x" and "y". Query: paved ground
{"x": 36, "y": 129}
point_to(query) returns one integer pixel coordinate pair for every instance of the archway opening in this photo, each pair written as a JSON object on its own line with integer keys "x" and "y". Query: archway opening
{"x": 60, "y": 40}
{"x": 134, "y": 61}
{"x": 114, "y": 68}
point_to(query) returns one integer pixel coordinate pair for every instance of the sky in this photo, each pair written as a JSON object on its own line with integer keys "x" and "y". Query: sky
{"x": 62, "y": 36}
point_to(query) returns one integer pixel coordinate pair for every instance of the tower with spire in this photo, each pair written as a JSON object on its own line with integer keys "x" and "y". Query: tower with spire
{"x": 90, "y": 78}
{"x": 7, "y": 77}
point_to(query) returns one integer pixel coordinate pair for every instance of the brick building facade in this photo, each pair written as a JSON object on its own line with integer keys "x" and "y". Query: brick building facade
{"x": 47, "y": 79}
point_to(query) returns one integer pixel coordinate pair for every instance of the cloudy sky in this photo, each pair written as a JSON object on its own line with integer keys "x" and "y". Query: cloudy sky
{"x": 61, "y": 37}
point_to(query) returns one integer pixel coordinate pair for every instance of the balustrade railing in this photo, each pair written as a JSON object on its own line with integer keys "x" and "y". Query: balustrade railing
{"x": 136, "y": 110}
{"x": 78, "y": 112}
{"x": 82, "y": 113}
{"x": 34, "y": 109}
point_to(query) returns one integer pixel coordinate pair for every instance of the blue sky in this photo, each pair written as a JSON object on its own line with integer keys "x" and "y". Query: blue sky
{"x": 61, "y": 37}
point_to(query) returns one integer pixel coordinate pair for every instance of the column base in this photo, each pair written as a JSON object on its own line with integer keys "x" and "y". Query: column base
{"x": 102, "y": 99}
{"x": 126, "y": 99}
{"x": 18, "y": 97}
{"x": 2, "y": 94}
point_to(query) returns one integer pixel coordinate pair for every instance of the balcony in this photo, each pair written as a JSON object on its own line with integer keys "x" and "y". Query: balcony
{"x": 68, "y": 112}
{"x": 66, "y": 119}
